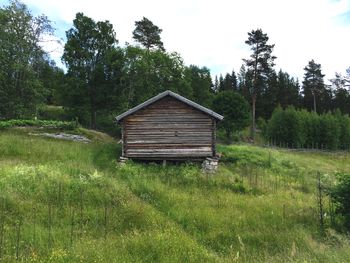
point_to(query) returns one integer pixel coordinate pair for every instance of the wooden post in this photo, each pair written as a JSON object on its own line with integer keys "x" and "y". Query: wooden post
{"x": 213, "y": 144}
{"x": 123, "y": 138}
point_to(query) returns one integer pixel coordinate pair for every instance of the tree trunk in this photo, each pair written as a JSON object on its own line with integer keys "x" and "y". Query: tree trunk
{"x": 252, "y": 130}
{"x": 92, "y": 111}
{"x": 314, "y": 97}
{"x": 93, "y": 118}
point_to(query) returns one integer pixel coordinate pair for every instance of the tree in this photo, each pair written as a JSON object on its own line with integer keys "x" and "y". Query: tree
{"x": 221, "y": 82}
{"x": 341, "y": 100}
{"x": 341, "y": 81}
{"x": 21, "y": 57}
{"x": 243, "y": 83}
{"x": 86, "y": 53}
{"x": 201, "y": 84}
{"x": 235, "y": 110}
{"x": 269, "y": 99}
{"x": 281, "y": 90}
{"x": 148, "y": 72}
{"x": 341, "y": 85}
{"x": 314, "y": 89}
{"x": 148, "y": 34}
{"x": 288, "y": 90}
{"x": 216, "y": 84}
{"x": 53, "y": 79}
{"x": 234, "y": 80}
{"x": 230, "y": 82}
{"x": 259, "y": 66}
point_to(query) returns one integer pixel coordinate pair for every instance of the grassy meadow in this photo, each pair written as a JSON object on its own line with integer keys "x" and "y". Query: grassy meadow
{"x": 63, "y": 201}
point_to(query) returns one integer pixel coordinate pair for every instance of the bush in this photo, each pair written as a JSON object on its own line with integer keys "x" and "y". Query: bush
{"x": 340, "y": 194}
{"x": 38, "y": 123}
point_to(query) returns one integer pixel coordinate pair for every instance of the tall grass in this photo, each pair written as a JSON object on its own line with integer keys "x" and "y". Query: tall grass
{"x": 71, "y": 202}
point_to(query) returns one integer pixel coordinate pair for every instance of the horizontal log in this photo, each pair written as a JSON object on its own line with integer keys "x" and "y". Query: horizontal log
{"x": 168, "y": 123}
{"x": 167, "y": 138}
{"x": 166, "y": 145}
{"x": 145, "y": 142}
{"x": 168, "y": 118}
{"x": 177, "y": 150}
{"x": 150, "y": 155}
{"x": 165, "y": 134}
{"x": 168, "y": 128}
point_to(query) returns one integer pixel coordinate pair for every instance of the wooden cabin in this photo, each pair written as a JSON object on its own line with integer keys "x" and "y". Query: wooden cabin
{"x": 169, "y": 127}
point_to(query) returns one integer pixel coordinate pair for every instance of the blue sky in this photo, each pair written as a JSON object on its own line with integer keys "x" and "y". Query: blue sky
{"x": 212, "y": 33}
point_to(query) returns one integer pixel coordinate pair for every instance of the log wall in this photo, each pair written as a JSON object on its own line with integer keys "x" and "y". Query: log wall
{"x": 168, "y": 129}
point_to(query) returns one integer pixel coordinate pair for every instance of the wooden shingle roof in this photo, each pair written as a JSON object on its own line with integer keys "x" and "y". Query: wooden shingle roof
{"x": 174, "y": 95}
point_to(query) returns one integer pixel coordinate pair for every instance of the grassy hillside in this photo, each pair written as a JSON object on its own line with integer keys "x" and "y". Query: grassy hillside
{"x": 65, "y": 201}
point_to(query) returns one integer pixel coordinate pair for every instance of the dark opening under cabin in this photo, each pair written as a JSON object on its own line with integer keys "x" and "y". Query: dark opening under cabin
{"x": 169, "y": 127}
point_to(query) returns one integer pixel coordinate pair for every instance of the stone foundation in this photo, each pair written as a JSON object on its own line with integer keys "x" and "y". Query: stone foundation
{"x": 210, "y": 165}
{"x": 122, "y": 160}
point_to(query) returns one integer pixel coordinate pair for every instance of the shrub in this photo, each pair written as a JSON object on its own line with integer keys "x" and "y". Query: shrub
{"x": 340, "y": 194}
{"x": 38, "y": 123}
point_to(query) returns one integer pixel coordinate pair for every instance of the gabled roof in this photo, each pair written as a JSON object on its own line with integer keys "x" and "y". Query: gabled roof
{"x": 174, "y": 95}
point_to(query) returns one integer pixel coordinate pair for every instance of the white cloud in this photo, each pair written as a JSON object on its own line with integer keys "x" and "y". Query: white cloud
{"x": 212, "y": 33}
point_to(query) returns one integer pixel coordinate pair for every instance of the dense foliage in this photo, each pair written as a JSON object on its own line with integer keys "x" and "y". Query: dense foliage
{"x": 235, "y": 109}
{"x": 300, "y": 128}
{"x": 340, "y": 194}
{"x": 21, "y": 60}
{"x": 87, "y": 56}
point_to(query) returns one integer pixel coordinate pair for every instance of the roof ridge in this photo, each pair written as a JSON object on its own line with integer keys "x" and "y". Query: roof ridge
{"x": 174, "y": 95}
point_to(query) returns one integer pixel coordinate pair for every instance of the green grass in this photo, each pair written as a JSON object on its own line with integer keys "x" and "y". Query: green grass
{"x": 64, "y": 201}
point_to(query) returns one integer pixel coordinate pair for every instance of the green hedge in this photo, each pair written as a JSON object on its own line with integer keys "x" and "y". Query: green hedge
{"x": 303, "y": 129}
{"x": 39, "y": 123}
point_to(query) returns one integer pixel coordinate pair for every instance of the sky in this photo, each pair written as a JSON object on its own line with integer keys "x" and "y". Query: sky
{"x": 213, "y": 33}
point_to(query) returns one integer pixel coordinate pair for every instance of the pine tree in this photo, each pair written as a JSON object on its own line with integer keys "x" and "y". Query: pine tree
{"x": 244, "y": 81}
{"x": 216, "y": 84}
{"x": 234, "y": 80}
{"x": 221, "y": 83}
{"x": 148, "y": 34}
{"x": 341, "y": 85}
{"x": 314, "y": 89}
{"x": 259, "y": 65}
{"x": 288, "y": 90}
{"x": 227, "y": 83}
